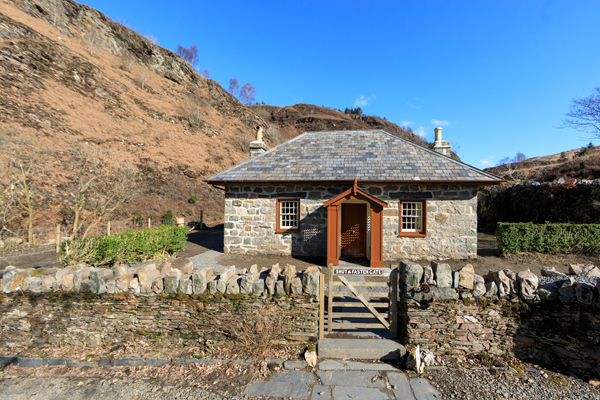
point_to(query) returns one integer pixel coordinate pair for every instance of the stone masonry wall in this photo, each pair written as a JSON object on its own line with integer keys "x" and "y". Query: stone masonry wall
{"x": 250, "y": 220}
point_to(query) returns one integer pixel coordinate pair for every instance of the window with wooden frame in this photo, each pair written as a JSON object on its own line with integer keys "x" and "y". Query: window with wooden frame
{"x": 288, "y": 215}
{"x": 413, "y": 218}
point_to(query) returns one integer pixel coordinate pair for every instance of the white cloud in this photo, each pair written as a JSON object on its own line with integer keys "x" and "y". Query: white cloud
{"x": 363, "y": 100}
{"x": 405, "y": 123}
{"x": 415, "y": 107}
{"x": 438, "y": 122}
{"x": 487, "y": 162}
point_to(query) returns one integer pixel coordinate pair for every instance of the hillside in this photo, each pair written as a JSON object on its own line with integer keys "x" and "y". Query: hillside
{"x": 581, "y": 163}
{"x": 73, "y": 82}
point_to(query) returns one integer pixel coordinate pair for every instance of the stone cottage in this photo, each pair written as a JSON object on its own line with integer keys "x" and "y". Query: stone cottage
{"x": 352, "y": 195}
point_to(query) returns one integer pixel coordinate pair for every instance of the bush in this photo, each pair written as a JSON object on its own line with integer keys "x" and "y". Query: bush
{"x": 548, "y": 238}
{"x": 168, "y": 218}
{"x": 126, "y": 247}
{"x": 193, "y": 199}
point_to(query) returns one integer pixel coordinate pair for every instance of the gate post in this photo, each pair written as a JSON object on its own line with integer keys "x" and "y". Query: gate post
{"x": 321, "y": 306}
{"x": 394, "y": 301}
{"x": 329, "y": 298}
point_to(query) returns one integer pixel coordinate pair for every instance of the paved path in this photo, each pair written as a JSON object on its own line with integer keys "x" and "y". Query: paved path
{"x": 344, "y": 380}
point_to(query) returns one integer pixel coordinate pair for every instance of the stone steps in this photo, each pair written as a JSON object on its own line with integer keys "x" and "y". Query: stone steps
{"x": 361, "y": 349}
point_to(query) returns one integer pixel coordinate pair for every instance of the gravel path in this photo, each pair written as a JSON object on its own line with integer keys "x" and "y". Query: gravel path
{"x": 509, "y": 384}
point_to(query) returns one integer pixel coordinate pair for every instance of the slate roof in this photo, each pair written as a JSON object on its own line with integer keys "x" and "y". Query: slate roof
{"x": 372, "y": 156}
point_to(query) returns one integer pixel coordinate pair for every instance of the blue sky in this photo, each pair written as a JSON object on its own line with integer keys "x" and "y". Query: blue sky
{"x": 497, "y": 75}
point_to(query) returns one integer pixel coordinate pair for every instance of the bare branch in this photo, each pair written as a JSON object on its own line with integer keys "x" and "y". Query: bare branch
{"x": 584, "y": 114}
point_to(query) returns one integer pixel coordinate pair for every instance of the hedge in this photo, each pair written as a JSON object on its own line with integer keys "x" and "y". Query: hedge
{"x": 126, "y": 247}
{"x": 548, "y": 238}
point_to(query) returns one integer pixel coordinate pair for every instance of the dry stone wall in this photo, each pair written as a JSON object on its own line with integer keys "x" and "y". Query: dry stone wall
{"x": 250, "y": 220}
{"x": 552, "y": 320}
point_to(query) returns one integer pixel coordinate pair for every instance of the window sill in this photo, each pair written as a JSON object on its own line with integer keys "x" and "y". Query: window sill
{"x": 287, "y": 230}
{"x": 413, "y": 234}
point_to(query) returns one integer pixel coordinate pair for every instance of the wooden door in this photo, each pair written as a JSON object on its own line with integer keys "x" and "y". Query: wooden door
{"x": 354, "y": 230}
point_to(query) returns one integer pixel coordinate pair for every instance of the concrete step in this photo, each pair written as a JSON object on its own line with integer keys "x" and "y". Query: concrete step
{"x": 361, "y": 349}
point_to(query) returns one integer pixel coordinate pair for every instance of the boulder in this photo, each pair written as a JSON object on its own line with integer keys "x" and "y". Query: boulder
{"x": 279, "y": 289}
{"x": 122, "y": 283}
{"x": 502, "y": 282}
{"x": 490, "y": 288}
{"x": 185, "y": 285}
{"x": 66, "y": 282}
{"x": 566, "y": 292}
{"x": 48, "y": 283}
{"x": 147, "y": 274}
{"x": 272, "y": 279}
{"x": 111, "y": 286}
{"x": 445, "y": 293}
{"x": 478, "y": 285}
{"x": 72, "y": 270}
{"x": 579, "y": 269}
{"x": 184, "y": 265}
{"x": 510, "y": 274}
{"x": 121, "y": 270}
{"x": 455, "y": 277}
{"x": 584, "y": 293}
{"x": 200, "y": 279}
{"x": 310, "y": 282}
{"x": 551, "y": 272}
{"x": 296, "y": 285}
{"x": 289, "y": 273}
{"x": 411, "y": 273}
{"x": 428, "y": 276}
{"x": 254, "y": 271}
{"x": 97, "y": 281}
{"x": 233, "y": 286}
{"x": 466, "y": 277}
{"x": 164, "y": 267}
{"x": 246, "y": 283}
{"x": 224, "y": 278}
{"x": 171, "y": 282}
{"x": 158, "y": 285}
{"x": 134, "y": 285}
{"x": 258, "y": 287}
{"x": 548, "y": 291}
{"x": 34, "y": 284}
{"x": 80, "y": 276}
{"x": 13, "y": 279}
{"x": 528, "y": 283}
{"x": 443, "y": 274}
{"x": 212, "y": 286}
{"x": 593, "y": 272}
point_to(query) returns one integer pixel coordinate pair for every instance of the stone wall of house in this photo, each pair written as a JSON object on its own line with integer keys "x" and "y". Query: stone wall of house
{"x": 250, "y": 220}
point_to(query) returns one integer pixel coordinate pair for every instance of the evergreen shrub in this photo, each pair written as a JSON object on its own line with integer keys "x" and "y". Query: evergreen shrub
{"x": 548, "y": 238}
{"x": 125, "y": 247}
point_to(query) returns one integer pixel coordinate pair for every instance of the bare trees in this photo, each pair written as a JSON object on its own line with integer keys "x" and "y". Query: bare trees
{"x": 247, "y": 94}
{"x": 92, "y": 39}
{"x": 189, "y": 54}
{"x": 206, "y": 73}
{"x": 234, "y": 88}
{"x": 584, "y": 114}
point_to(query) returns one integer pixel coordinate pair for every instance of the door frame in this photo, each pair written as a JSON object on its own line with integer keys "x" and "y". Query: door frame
{"x": 334, "y": 210}
{"x": 363, "y": 221}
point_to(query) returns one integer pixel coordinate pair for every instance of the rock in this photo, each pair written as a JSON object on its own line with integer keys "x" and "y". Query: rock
{"x": 466, "y": 276}
{"x": 428, "y": 276}
{"x": 310, "y": 282}
{"x": 258, "y": 287}
{"x": 279, "y": 289}
{"x": 34, "y": 284}
{"x": 185, "y": 285}
{"x": 551, "y": 272}
{"x": 566, "y": 293}
{"x": 597, "y": 301}
{"x": 443, "y": 274}
{"x": 158, "y": 285}
{"x": 490, "y": 288}
{"x": 146, "y": 275}
{"x": 411, "y": 273}
{"x": 171, "y": 282}
{"x": 246, "y": 283}
{"x": 579, "y": 269}
{"x": 593, "y": 273}
{"x": 289, "y": 273}
{"x": 184, "y": 265}
{"x": 66, "y": 271}
{"x": 272, "y": 278}
{"x": 122, "y": 283}
{"x": 111, "y": 286}
{"x": 15, "y": 279}
{"x": 478, "y": 285}
{"x": 121, "y": 270}
{"x": 548, "y": 291}
{"x": 502, "y": 282}
{"x": 212, "y": 286}
{"x": 310, "y": 356}
{"x": 165, "y": 267}
{"x": 254, "y": 271}
{"x": 296, "y": 286}
{"x": 134, "y": 285}
{"x": 444, "y": 293}
{"x": 80, "y": 276}
{"x": 97, "y": 282}
{"x": 224, "y": 278}
{"x": 510, "y": 274}
{"x": 233, "y": 287}
{"x": 455, "y": 277}
{"x": 66, "y": 282}
{"x": 86, "y": 286}
{"x": 528, "y": 283}
{"x": 200, "y": 279}
{"x": 584, "y": 293}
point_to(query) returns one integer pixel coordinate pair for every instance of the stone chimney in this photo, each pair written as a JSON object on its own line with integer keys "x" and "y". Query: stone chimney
{"x": 441, "y": 146}
{"x": 257, "y": 147}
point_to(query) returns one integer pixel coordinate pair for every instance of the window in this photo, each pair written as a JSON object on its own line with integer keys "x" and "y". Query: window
{"x": 288, "y": 215}
{"x": 413, "y": 218}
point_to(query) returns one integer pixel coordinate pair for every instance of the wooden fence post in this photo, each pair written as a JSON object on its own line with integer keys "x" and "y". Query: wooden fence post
{"x": 57, "y": 239}
{"x": 321, "y": 305}
{"x": 108, "y": 229}
{"x": 330, "y": 297}
{"x": 149, "y": 223}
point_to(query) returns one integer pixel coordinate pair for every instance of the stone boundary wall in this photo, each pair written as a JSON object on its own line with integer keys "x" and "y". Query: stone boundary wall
{"x": 551, "y": 320}
{"x": 39, "y": 324}
{"x": 250, "y": 220}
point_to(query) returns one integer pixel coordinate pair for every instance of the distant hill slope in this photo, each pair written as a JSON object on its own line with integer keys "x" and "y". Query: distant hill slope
{"x": 70, "y": 75}
{"x": 582, "y": 163}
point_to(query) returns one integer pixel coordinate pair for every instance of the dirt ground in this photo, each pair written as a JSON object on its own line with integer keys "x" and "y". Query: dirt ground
{"x": 212, "y": 239}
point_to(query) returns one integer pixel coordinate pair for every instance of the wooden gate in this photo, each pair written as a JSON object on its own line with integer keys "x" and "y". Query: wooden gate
{"x": 381, "y": 305}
